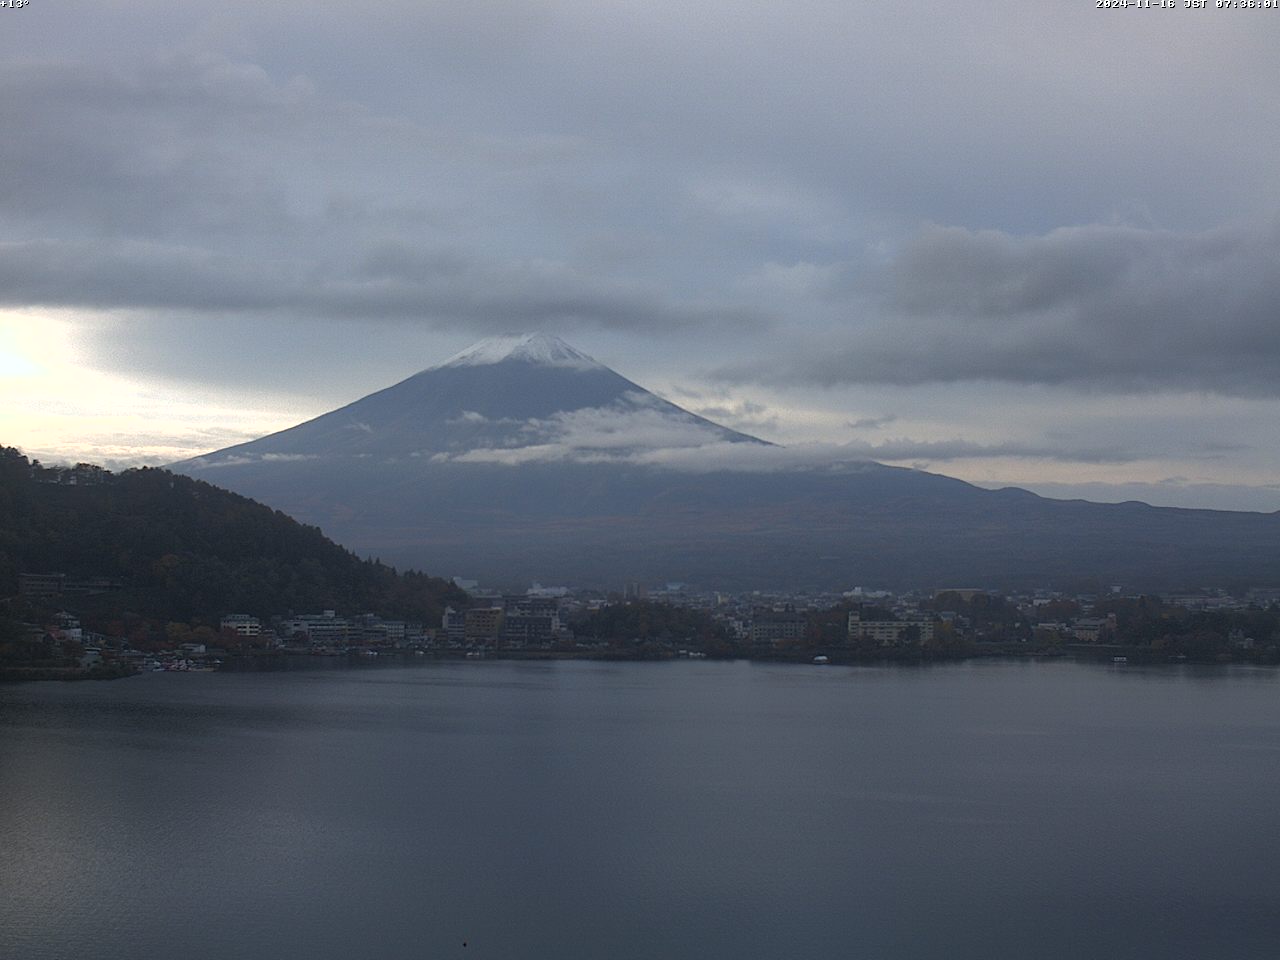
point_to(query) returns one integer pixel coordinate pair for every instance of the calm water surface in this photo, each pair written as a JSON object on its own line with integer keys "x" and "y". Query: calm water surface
{"x": 692, "y": 809}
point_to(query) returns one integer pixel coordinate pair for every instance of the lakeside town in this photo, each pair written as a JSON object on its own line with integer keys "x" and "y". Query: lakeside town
{"x": 664, "y": 621}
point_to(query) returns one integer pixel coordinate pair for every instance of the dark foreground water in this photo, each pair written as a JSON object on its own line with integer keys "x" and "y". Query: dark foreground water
{"x": 694, "y": 809}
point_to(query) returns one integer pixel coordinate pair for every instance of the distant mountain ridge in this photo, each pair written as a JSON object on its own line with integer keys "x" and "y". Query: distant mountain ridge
{"x": 523, "y": 458}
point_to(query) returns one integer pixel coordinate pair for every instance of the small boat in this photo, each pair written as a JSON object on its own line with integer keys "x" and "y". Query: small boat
{"x": 1119, "y": 659}
{"x": 821, "y": 659}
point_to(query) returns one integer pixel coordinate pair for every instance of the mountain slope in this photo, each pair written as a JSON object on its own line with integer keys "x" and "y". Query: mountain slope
{"x": 523, "y": 459}
{"x": 181, "y": 549}
{"x": 503, "y": 393}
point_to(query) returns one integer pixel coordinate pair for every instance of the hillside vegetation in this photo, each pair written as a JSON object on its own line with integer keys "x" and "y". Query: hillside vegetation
{"x": 171, "y": 548}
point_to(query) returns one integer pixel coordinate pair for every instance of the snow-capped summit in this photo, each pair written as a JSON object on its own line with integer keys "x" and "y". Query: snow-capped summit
{"x": 530, "y": 392}
{"x": 541, "y": 348}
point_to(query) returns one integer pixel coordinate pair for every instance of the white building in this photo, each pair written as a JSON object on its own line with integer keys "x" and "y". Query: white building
{"x": 323, "y": 628}
{"x": 242, "y": 624}
{"x": 887, "y": 632}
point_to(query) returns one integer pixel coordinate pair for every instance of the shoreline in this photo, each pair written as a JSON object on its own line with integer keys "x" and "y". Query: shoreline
{"x": 280, "y": 661}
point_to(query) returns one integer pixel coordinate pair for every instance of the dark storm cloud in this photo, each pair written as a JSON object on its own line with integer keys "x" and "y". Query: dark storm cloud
{"x": 529, "y": 293}
{"x": 193, "y": 182}
{"x": 439, "y": 291}
{"x": 198, "y": 184}
{"x": 147, "y": 148}
{"x": 1114, "y": 307}
{"x": 115, "y": 274}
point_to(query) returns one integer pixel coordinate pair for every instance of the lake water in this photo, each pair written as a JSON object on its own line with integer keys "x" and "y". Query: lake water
{"x": 689, "y": 809}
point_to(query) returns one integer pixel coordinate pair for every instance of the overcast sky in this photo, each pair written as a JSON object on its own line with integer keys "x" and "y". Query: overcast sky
{"x": 1018, "y": 243}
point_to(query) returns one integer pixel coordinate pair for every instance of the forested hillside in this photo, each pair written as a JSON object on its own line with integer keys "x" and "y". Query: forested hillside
{"x": 169, "y": 548}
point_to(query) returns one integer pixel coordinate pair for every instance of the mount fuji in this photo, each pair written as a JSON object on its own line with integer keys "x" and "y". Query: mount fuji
{"x": 523, "y": 458}
{"x": 505, "y": 399}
